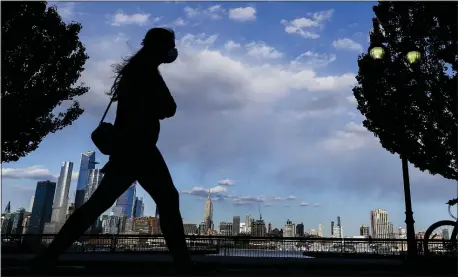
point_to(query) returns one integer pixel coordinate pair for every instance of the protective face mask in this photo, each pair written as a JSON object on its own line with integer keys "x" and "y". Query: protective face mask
{"x": 172, "y": 55}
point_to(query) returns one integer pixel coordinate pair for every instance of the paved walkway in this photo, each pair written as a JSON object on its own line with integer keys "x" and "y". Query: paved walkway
{"x": 128, "y": 264}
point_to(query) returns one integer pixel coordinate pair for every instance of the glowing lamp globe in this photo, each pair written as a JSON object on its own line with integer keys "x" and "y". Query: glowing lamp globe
{"x": 413, "y": 56}
{"x": 377, "y": 53}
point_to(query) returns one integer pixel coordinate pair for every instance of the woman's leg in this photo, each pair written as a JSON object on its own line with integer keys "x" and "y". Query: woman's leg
{"x": 159, "y": 185}
{"x": 110, "y": 188}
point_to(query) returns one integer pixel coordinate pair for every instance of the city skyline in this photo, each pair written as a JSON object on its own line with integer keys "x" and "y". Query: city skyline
{"x": 263, "y": 117}
{"x": 124, "y": 214}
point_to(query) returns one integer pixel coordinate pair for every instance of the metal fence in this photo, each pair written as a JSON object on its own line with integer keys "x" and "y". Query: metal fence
{"x": 229, "y": 246}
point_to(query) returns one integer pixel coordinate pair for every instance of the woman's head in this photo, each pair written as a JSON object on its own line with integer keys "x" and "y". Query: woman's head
{"x": 160, "y": 44}
{"x": 158, "y": 47}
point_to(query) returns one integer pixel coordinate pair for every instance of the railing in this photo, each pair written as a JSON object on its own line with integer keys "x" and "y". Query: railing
{"x": 228, "y": 246}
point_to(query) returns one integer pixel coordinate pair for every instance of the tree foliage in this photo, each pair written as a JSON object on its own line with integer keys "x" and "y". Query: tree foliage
{"x": 42, "y": 59}
{"x": 412, "y": 108}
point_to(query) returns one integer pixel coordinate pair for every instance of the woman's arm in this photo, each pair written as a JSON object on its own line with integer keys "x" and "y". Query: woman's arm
{"x": 165, "y": 104}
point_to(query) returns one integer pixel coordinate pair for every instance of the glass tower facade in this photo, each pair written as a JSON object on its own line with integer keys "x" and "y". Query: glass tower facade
{"x": 87, "y": 163}
{"x": 125, "y": 203}
{"x": 42, "y": 206}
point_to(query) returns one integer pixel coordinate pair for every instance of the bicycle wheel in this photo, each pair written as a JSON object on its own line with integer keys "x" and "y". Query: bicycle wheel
{"x": 440, "y": 238}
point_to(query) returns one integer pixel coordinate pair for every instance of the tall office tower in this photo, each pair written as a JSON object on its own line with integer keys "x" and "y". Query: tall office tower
{"x": 59, "y": 207}
{"x": 42, "y": 206}
{"x": 402, "y": 234}
{"x": 7, "y": 208}
{"x": 300, "y": 230}
{"x": 208, "y": 213}
{"x": 236, "y": 225}
{"x": 364, "y": 230}
{"x": 94, "y": 178}
{"x": 226, "y": 229}
{"x": 139, "y": 207}
{"x": 31, "y": 204}
{"x": 338, "y": 221}
{"x": 125, "y": 203}
{"x": 248, "y": 223}
{"x": 390, "y": 231}
{"x": 157, "y": 215}
{"x": 332, "y": 229}
{"x": 320, "y": 230}
{"x": 87, "y": 163}
{"x": 289, "y": 230}
{"x": 269, "y": 228}
{"x": 379, "y": 224}
{"x": 258, "y": 228}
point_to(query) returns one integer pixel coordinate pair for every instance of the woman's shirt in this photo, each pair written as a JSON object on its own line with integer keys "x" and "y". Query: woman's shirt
{"x": 141, "y": 104}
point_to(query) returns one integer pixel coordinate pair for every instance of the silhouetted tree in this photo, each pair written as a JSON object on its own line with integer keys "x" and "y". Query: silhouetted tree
{"x": 412, "y": 107}
{"x": 42, "y": 59}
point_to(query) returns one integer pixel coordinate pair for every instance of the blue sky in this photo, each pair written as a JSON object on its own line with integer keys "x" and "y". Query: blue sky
{"x": 265, "y": 113}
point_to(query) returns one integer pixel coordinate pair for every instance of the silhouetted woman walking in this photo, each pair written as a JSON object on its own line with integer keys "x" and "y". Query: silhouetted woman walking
{"x": 143, "y": 99}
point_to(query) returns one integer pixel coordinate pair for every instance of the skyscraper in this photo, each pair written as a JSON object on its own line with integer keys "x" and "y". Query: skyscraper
{"x": 300, "y": 230}
{"x": 208, "y": 213}
{"x": 59, "y": 207}
{"x": 236, "y": 225}
{"x": 320, "y": 230}
{"x": 7, "y": 208}
{"x": 31, "y": 203}
{"x": 332, "y": 228}
{"x": 87, "y": 163}
{"x": 379, "y": 224}
{"x": 139, "y": 207}
{"x": 93, "y": 181}
{"x": 364, "y": 230}
{"x": 125, "y": 203}
{"x": 42, "y": 206}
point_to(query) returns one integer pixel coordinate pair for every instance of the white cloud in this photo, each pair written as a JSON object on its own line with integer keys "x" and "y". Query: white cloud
{"x": 66, "y": 10}
{"x": 304, "y": 204}
{"x": 261, "y": 50}
{"x": 314, "y": 60}
{"x": 226, "y": 182}
{"x": 352, "y": 137}
{"x": 217, "y": 191}
{"x": 307, "y": 26}
{"x": 212, "y": 12}
{"x": 35, "y": 172}
{"x": 231, "y": 45}
{"x": 141, "y": 19}
{"x": 347, "y": 44}
{"x": 179, "y": 22}
{"x": 242, "y": 14}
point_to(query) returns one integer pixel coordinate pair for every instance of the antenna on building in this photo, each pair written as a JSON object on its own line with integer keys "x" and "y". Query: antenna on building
{"x": 259, "y": 208}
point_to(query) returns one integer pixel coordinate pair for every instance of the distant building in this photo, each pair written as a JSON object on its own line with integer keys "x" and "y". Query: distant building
{"x": 320, "y": 230}
{"x": 258, "y": 228}
{"x": 87, "y": 163}
{"x": 299, "y": 230}
{"x": 289, "y": 230}
{"x": 379, "y": 224}
{"x": 139, "y": 207}
{"x": 190, "y": 229}
{"x": 364, "y": 230}
{"x": 143, "y": 225}
{"x": 236, "y": 225}
{"x": 125, "y": 203}
{"x": 60, "y": 204}
{"x": 332, "y": 229}
{"x": 225, "y": 228}
{"x": 208, "y": 213}
{"x": 42, "y": 206}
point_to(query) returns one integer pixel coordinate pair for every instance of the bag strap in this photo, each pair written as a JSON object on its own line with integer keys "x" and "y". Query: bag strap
{"x": 106, "y": 111}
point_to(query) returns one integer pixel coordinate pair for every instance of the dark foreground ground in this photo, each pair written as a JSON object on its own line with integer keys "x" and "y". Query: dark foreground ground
{"x": 135, "y": 264}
